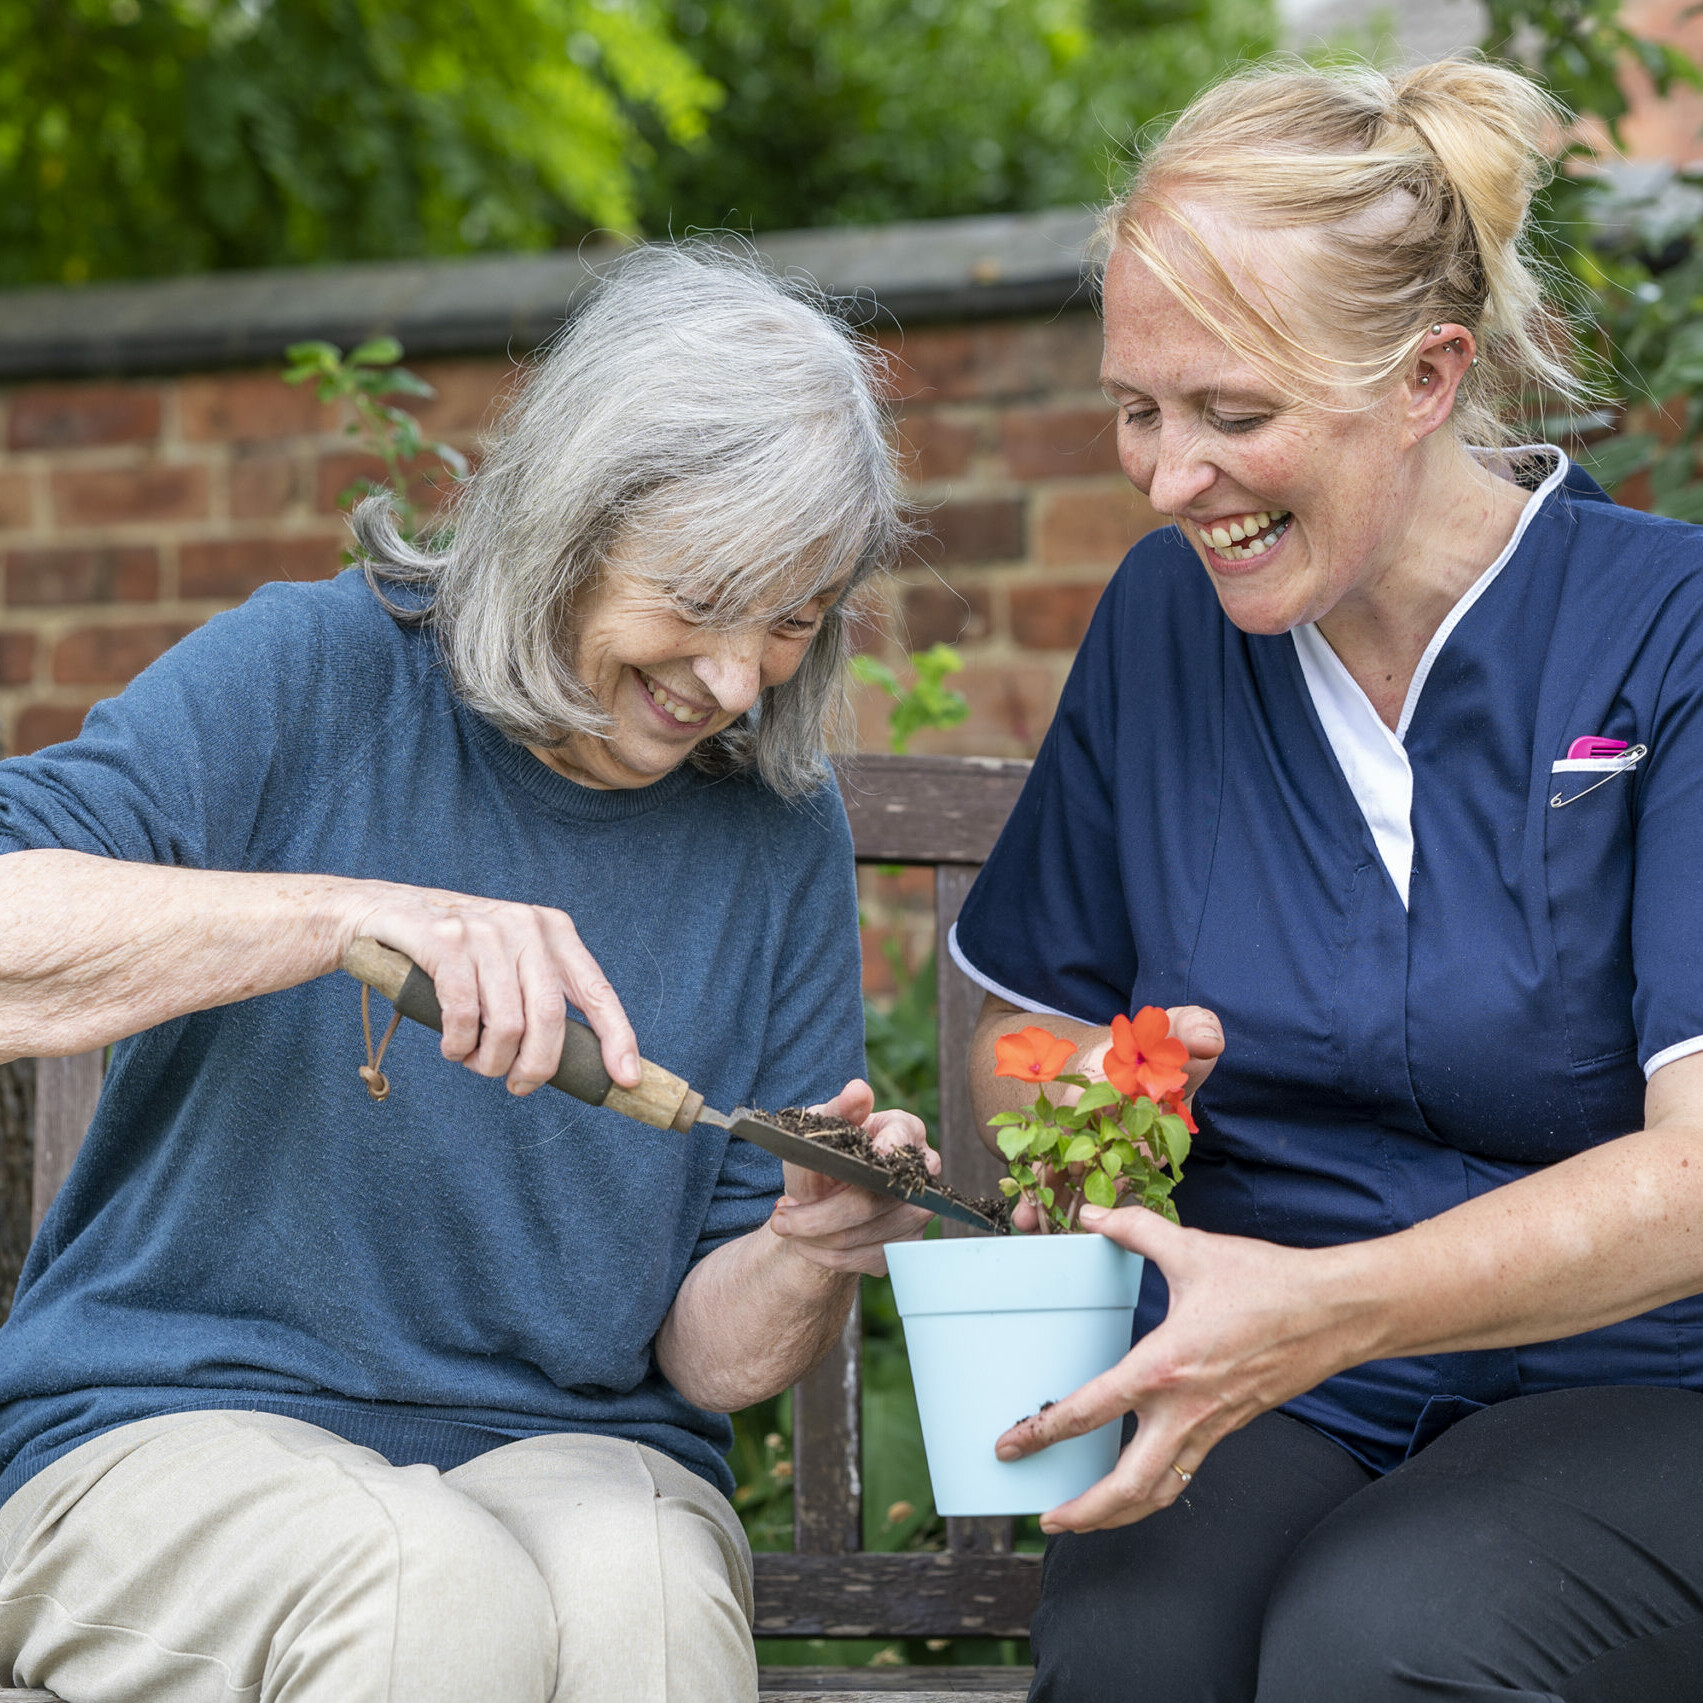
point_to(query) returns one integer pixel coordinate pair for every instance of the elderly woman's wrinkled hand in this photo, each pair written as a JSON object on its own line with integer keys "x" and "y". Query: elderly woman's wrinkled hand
{"x": 505, "y": 974}
{"x": 843, "y": 1228}
{"x": 1250, "y": 1326}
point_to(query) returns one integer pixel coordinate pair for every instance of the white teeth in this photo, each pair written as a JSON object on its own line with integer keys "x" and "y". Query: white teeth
{"x": 671, "y": 705}
{"x": 1261, "y": 531}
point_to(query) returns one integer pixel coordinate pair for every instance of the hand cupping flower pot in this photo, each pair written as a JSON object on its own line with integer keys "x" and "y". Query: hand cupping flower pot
{"x": 997, "y": 1327}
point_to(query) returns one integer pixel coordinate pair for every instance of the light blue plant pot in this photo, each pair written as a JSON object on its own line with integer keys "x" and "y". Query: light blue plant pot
{"x": 996, "y": 1326}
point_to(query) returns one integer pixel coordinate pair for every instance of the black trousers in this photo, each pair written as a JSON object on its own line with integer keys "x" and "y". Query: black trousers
{"x": 1546, "y": 1550}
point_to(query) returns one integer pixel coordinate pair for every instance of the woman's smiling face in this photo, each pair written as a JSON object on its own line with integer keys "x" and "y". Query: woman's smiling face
{"x": 668, "y": 681}
{"x": 1292, "y": 507}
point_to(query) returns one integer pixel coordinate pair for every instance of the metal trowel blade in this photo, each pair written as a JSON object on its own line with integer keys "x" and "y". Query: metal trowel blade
{"x": 843, "y": 1167}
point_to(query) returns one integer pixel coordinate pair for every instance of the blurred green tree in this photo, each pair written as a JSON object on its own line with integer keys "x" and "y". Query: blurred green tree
{"x": 861, "y": 111}
{"x": 154, "y": 136}
{"x": 1621, "y": 238}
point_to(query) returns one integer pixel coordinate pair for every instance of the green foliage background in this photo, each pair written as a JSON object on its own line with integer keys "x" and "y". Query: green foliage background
{"x": 143, "y": 137}
{"x": 862, "y": 111}
{"x": 154, "y": 136}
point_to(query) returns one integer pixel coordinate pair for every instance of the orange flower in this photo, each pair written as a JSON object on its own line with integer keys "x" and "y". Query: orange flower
{"x": 1144, "y": 1058}
{"x": 1176, "y": 1103}
{"x": 1032, "y": 1055}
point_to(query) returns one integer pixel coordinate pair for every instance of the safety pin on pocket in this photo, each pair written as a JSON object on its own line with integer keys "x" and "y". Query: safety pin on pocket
{"x": 1626, "y": 760}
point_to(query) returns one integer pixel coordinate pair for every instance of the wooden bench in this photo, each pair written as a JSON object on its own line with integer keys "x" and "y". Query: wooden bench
{"x": 943, "y": 813}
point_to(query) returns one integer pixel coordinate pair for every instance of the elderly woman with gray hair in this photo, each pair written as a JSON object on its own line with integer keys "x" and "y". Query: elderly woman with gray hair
{"x": 309, "y": 1396}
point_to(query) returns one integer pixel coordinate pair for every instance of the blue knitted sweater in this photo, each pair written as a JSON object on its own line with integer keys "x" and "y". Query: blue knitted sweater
{"x": 453, "y": 1268}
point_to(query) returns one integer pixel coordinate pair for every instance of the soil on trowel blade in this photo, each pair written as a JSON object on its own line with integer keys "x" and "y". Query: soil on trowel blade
{"x": 905, "y": 1164}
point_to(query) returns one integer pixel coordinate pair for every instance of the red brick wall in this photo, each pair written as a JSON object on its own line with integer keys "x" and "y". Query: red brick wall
{"x": 130, "y": 512}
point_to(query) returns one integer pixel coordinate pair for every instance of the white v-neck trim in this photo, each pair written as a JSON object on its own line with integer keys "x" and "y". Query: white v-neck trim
{"x": 1372, "y": 757}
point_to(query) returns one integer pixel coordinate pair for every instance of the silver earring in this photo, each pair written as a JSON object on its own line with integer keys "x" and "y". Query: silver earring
{"x": 1424, "y": 378}
{"x": 1475, "y": 360}
{"x": 1435, "y": 330}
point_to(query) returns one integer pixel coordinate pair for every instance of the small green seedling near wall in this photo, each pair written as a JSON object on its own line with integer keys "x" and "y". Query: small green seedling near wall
{"x": 927, "y": 702}
{"x": 360, "y": 382}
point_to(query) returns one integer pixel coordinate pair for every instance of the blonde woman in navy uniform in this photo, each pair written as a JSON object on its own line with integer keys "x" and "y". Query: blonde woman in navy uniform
{"x": 1383, "y": 769}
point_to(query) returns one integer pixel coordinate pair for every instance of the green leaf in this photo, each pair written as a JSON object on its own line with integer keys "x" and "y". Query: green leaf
{"x": 1081, "y": 1150}
{"x": 315, "y": 356}
{"x": 398, "y": 381}
{"x": 1099, "y": 1188}
{"x": 1138, "y": 1119}
{"x": 1097, "y": 1098}
{"x": 869, "y": 672}
{"x": 1045, "y": 1196}
{"x": 1174, "y": 1133}
{"x": 1001, "y": 1119}
{"x": 1111, "y": 1161}
{"x": 1616, "y": 459}
{"x": 1010, "y": 1187}
{"x": 1013, "y": 1143}
{"x": 375, "y": 352}
{"x": 1686, "y": 504}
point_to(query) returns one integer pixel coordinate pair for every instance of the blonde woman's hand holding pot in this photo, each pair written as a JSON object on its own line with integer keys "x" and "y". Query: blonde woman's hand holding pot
{"x": 1251, "y": 1325}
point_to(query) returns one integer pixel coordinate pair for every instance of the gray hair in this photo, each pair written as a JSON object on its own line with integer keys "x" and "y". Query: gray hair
{"x": 699, "y": 401}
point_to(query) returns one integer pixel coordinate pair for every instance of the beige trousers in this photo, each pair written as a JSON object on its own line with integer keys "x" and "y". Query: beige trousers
{"x": 218, "y": 1557}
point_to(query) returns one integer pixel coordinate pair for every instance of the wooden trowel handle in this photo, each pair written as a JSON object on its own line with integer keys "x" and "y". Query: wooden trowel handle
{"x": 661, "y": 1099}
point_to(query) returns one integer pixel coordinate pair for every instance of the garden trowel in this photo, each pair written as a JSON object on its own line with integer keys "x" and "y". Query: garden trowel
{"x": 661, "y": 1099}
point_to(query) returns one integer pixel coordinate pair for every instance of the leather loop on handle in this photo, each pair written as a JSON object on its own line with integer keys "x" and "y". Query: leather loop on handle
{"x": 662, "y": 1100}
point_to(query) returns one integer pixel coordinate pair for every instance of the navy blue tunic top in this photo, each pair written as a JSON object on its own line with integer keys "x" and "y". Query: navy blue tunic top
{"x": 1189, "y": 836}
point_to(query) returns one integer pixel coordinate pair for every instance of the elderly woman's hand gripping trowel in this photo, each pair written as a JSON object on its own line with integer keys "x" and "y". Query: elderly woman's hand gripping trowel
{"x": 661, "y": 1099}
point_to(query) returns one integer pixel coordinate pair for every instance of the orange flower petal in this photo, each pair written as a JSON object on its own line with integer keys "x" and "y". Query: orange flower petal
{"x": 1171, "y": 1053}
{"x": 1121, "y": 1075}
{"x": 1059, "y": 1054}
{"x": 1031, "y": 1054}
{"x": 1151, "y": 1026}
{"x": 1175, "y": 1103}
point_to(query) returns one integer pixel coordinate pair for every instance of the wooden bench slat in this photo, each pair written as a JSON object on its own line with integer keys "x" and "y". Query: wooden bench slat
{"x": 896, "y": 1596}
{"x": 965, "y": 1160}
{"x": 843, "y": 1685}
{"x": 928, "y": 809}
{"x": 928, "y": 1694}
{"x": 827, "y": 1448}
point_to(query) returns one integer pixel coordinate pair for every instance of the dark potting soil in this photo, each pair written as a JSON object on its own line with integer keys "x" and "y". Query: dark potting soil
{"x": 905, "y": 1164}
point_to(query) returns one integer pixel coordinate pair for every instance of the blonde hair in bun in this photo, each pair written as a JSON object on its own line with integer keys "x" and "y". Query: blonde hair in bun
{"x": 1405, "y": 197}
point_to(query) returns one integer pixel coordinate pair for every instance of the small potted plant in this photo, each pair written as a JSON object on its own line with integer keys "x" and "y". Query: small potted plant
{"x": 998, "y": 1327}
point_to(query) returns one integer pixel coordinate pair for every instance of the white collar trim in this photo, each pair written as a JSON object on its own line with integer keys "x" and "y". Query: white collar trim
{"x": 1373, "y": 759}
